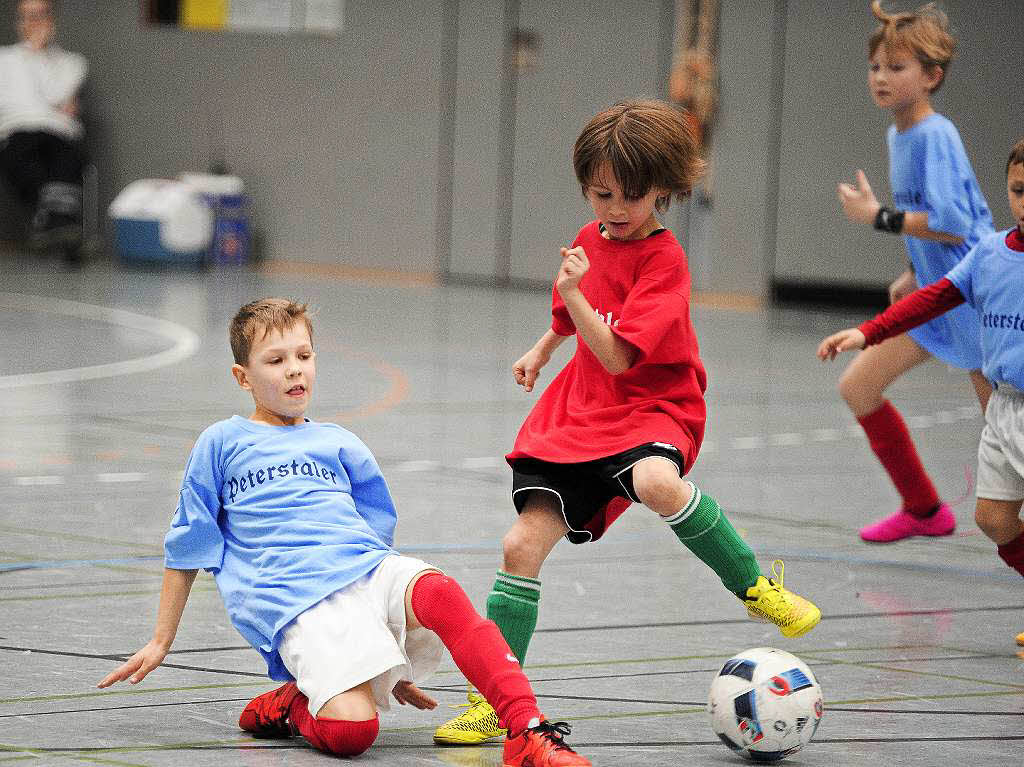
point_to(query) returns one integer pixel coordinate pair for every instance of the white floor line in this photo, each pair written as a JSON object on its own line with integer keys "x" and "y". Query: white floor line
{"x": 185, "y": 341}
{"x": 124, "y": 476}
{"x": 418, "y": 466}
{"x": 50, "y": 479}
{"x": 496, "y": 462}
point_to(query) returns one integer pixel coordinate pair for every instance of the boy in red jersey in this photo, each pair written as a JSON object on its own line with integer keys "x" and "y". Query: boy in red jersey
{"x": 623, "y": 421}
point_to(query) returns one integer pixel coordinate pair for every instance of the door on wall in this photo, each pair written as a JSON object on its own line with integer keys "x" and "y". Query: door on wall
{"x": 583, "y": 58}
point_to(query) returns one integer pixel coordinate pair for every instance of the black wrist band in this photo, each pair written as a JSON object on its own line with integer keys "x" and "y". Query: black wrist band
{"x": 889, "y": 220}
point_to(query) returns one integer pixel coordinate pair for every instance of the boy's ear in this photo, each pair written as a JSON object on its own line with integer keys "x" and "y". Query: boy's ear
{"x": 241, "y": 375}
{"x": 935, "y": 76}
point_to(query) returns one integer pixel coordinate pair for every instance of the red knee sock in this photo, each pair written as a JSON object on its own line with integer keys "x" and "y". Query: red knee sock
{"x": 1013, "y": 553}
{"x": 891, "y": 442}
{"x": 333, "y": 736}
{"x": 477, "y": 647}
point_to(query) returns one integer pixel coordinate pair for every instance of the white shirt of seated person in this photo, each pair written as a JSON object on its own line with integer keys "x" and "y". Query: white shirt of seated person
{"x": 39, "y": 80}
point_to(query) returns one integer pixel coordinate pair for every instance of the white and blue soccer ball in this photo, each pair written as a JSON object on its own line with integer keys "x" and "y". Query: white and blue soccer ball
{"x": 765, "y": 704}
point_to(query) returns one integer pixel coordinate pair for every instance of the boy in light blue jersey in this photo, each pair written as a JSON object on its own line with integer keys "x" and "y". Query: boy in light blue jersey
{"x": 988, "y": 279}
{"x": 939, "y": 210}
{"x": 929, "y": 173}
{"x": 296, "y": 523}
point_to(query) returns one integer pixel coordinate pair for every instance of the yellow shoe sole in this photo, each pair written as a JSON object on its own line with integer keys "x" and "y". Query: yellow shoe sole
{"x": 464, "y": 737}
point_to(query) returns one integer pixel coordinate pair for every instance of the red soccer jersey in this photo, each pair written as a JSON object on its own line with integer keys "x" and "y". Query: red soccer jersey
{"x": 641, "y": 289}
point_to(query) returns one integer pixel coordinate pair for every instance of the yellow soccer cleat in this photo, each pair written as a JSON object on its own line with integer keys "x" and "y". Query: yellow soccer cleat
{"x": 478, "y": 723}
{"x": 768, "y": 601}
{"x": 1020, "y": 639}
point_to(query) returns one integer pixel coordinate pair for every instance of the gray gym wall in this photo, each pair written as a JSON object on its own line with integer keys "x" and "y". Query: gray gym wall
{"x": 389, "y": 146}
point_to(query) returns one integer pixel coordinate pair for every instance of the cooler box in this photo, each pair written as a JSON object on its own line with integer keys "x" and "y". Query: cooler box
{"x": 161, "y": 221}
{"x": 232, "y": 239}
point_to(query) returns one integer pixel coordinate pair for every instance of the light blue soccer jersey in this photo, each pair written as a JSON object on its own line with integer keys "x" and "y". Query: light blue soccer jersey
{"x": 991, "y": 277}
{"x": 929, "y": 172}
{"x": 283, "y": 516}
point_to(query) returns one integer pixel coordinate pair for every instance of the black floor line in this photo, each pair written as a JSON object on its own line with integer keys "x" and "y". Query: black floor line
{"x": 729, "y": 621}
{"x": 949, "y": 712}
{"x": 127, "y": 708}
{"x": 815, "y": 664}
{"x": 829, "y": 709}
{"x": 606, "y": 627}
{"x": 449, "y": 688}
{"x": 579, "y": 746}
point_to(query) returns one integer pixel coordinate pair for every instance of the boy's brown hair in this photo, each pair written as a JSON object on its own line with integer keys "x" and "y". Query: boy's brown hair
{"x": 256, "y": 319}
{"x": 647, "y": 143}
{"x": 924, "y": 34}
{"x": 1016, "y": 155}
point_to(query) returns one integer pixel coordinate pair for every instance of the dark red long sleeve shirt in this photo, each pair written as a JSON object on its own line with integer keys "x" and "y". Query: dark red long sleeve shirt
{"x": 922, "y": 305}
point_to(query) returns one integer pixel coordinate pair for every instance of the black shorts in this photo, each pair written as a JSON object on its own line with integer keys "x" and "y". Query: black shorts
{"x": 584, "y": 489}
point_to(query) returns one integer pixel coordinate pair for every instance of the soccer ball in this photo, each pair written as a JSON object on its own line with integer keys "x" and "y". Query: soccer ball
{"x": 765, "y": 704}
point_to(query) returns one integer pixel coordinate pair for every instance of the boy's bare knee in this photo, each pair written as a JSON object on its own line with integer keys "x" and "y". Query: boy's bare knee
{"x": 999, "y": 520}
{"x": 527, "y": 544}
{"x": 988, "y": 520}
{"x": 848, "y": 387}
{"x": 519, "y": 550}
{"x": 357, "y": 704}
{"x": 659, "y": 487}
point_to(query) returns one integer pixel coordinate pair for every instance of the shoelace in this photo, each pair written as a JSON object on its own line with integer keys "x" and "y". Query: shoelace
{"x": 467, "y": 705}
{"x": 776, "y": 578}
{"x": 554, "y": 732}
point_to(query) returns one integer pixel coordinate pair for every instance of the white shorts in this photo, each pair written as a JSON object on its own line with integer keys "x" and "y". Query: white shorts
{"x": 357, "y": 634}
{"x": 1001, "y": 449}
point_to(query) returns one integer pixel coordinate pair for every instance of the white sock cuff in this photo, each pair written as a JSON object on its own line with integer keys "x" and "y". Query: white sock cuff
{"x": 520, "y": 581}
{"x": 688, "y": 509}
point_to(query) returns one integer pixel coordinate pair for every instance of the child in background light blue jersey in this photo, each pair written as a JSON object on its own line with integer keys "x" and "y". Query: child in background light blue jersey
{"x": 941, "y": 213}
{"x": 989, "y": 279}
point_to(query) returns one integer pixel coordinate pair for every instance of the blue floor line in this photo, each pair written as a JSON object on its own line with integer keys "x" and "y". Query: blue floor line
{"x": 61, "y": 563}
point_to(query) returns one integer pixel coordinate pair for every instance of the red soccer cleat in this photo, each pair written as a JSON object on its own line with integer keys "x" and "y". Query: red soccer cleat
{"x": 267, "y": 714}
{"x": 542, "y": 746}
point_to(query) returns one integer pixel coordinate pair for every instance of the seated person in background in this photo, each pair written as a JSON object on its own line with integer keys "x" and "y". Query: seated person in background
{"x": 41, "y": 152}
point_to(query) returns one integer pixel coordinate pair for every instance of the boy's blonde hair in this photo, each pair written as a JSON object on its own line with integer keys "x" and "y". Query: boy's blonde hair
{"x": 924, "y": 34}
{"x": 256, "y": 319}
{"x": 647, "y": 143}
{"x": 1016, "y": 155}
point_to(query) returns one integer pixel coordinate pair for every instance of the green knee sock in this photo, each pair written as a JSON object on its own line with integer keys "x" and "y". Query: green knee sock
{"x": 512, "y": 604}
{"x": 702, "y": 527}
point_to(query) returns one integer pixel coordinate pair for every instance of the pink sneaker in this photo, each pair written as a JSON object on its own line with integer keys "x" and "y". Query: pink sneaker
{"x": 903, "y": 525}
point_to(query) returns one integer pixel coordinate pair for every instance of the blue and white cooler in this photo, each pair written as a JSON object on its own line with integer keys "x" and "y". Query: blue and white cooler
{"x": 225, "y": 194}
{"x": 162, "y": 221}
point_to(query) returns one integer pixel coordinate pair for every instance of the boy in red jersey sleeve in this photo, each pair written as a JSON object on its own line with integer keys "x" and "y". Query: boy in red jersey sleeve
{"x": 623, "y": 421}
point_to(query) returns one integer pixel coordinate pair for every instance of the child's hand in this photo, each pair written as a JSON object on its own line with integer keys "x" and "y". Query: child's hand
{"x": 844, "y": 340}
{"x": 407, "y": 692}
{"x": 859, "y": 203}
{"x": 138, "y": 666}
{"x": 902, "y": 286}
{"x": 574, "y": 266}
{"x": 527, "y": 368}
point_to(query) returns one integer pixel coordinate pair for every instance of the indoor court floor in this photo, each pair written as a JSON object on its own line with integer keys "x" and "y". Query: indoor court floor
{"x": 108, "y": 375}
